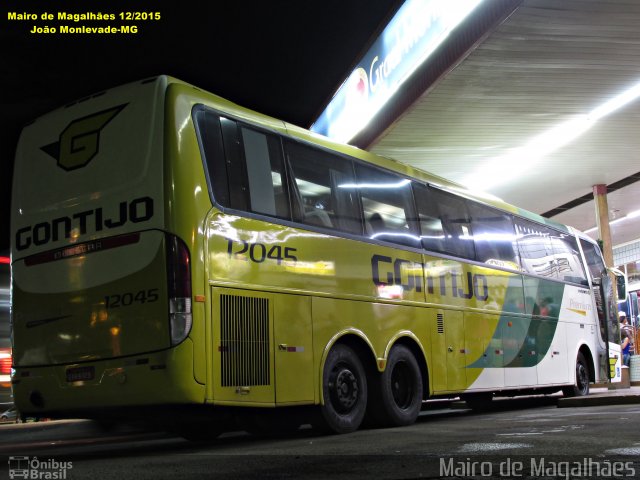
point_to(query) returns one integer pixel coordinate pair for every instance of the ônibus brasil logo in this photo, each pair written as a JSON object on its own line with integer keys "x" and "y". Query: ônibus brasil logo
{"x": 32, "y": 468}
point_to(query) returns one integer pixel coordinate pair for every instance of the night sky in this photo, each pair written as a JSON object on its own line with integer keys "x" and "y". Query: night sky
{"x": 282, "y": 58}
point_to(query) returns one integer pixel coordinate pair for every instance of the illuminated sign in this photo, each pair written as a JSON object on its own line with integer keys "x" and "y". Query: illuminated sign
{"x": 416, "y": 30}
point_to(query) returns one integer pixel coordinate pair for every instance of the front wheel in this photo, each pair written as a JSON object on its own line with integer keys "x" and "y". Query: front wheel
{"x": 396, "y": 394}
{"x": 581, "y": 387}
{"x": 344, "y": 388}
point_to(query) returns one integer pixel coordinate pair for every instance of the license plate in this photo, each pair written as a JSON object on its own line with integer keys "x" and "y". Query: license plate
{"x": 80, "y": 374}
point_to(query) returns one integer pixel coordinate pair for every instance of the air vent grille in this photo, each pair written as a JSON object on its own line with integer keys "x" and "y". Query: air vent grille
{"x": 244, "y": 348}
{"x": 440, "y": 319}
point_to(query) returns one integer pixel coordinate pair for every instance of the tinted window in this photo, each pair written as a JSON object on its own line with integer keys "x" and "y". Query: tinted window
{"x": 444, "y": 222}
{"x": 323, "y": 189}
{"x": 534, "y": 247}
{"x": 597, "y": 269}
{"x": 235, "y": 166}
{"x": 210, "y": 137}
{"x": 244, "y": 166}
{"x": 567, "y": 258}
{"x": 594, "y": 259}
{"x": 493, "y": 236}
{"x": 265, "y": 173}
{"x": 255, "y": 170}
{"x": 387, "y": 204}
{"x": 549, "y": 253}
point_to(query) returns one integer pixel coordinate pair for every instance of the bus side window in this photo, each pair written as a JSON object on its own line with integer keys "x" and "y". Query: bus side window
{"x": 236, "y": 171}
{"x": 565, "y": 250}
{"x": 322, "y": 187}
{"x": 494, "y": 236}
{"x": 534, "y": 246}
{"x": 253, "y": 166}
{"x": 388, "y": 207}
{"x": 265, "y": 174}
{"x": 549, "y": 253}
{"x": 594, "y": 259}
{"x": 447, "y": 221}
{"x": 431, "y": 230}
{"x": 597, "y": 270}
{"x": 210, "y": 139}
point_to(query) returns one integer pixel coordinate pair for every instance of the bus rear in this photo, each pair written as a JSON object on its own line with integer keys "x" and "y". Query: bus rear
{"x": 101, "y": 283}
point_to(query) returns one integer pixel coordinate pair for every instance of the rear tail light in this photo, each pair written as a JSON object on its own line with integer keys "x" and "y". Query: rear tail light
{"x": 5, "y": 365}
{"x": 179, "y": 289}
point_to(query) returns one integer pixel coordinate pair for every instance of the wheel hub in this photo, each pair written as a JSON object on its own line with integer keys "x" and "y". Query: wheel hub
{"x": 344, "y": 390}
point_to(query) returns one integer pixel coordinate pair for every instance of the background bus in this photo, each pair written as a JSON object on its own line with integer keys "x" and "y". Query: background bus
{"x": 176, "y": 251}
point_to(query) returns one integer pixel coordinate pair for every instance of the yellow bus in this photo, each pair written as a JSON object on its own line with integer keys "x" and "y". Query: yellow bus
{"x": 174, "y": 252}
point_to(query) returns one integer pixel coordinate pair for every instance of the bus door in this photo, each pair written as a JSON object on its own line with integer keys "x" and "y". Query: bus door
{"x": 606, "y": 308}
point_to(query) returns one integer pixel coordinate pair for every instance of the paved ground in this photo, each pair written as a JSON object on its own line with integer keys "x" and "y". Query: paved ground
{"x": 517, "y": 438}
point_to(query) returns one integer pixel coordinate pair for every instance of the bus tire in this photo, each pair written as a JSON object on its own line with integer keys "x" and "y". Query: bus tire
{"x": 344, "y": 389}
{"x": 396, "y": 393}
{"x": 581, "y": 387}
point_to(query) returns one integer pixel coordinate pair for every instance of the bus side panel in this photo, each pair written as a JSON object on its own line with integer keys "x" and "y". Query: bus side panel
{"x": 186, "y": 208}
{"x": 262, "y": 348}
{"x": 484, "y": 345}
{"x": 373, "y": 322}
{"x": 257, "y": 254}
{"x": 471, "y": 350}
{"x": 580, "y": 318}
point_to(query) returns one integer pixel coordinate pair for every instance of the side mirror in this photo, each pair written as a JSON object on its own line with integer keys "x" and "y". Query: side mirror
{"x": 621, "y": 283}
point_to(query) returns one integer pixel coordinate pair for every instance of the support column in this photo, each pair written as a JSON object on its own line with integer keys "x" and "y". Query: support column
{"x": 604, "y": 234}
{"x": 602, "y": 221}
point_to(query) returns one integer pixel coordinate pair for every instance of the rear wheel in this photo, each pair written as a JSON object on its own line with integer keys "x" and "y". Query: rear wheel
{"x": 344, "y": 388}
{"x": 396, "y": 394}
{"x": 581, "y": 387}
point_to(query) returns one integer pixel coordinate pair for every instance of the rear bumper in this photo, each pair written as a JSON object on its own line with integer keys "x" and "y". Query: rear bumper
{"x": 158, "y": 378}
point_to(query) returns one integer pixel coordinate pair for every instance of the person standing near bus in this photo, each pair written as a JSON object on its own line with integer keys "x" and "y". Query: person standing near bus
{"x": 625, "y": 337}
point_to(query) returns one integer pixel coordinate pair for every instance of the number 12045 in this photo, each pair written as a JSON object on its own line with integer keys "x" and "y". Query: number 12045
{"x": 130, "y": 298}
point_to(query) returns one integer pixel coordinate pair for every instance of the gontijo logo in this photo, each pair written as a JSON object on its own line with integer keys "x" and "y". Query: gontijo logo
{"x": 81, "y": 223}
{"x": 79, "y": 142}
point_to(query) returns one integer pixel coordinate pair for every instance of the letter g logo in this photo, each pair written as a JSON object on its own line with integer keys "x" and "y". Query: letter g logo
{"x": 80, "y": 141}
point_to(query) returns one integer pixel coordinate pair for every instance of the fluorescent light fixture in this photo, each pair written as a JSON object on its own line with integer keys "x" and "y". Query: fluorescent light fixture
{"x": 519, "y": 160}
{"x": 616, "y": 103}
{"x": 628, "y": 216}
